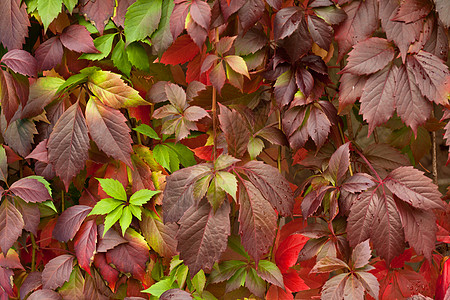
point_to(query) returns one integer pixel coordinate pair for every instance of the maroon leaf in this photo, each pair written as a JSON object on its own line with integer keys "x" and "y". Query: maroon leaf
{"x": 230, "y": 7}
{"x": 20, "y": 61}
{"x": 30, "y": 214}
{"x": 377, "y": 100}
{"x": 385, "y": 156}
{"x": 109, "y": 130}
{"x": 410, "y": 185}
{"x": 272, "y": 185}
{"x": 6, "y": 280}
{"x": 339, "y": 162}
{"x": 201, "y": 13}
{"x": 14, "y": 23}
{"x": 121, "y": 10}
{"x": 304, "y": 81}
{"x": 175, "y": 294}
{"x": 286, "y": 22}
{"x": 321, "y": 32}
{"x": 69, "y": 222}
{"x": 31, "y": 282}
{"x": 369, "y": 56}
{"x": 250, "y": 13}
{"x": 203, "y": 235}
{"x": 413, "y": 10}
{"x": 358, "y": 183}
{"x": 437, "y": 41}
{"x": 217, "y": 76}
{"x": 78, "y": 39}
{"x": 57, "y": 271}
{"x": 132, "y": 256}
{"x": 361, "y": 22}
{"x": 420, "y": 228}
{"x": 257, "y": 220}
{"x": 318, "y": 126}
{"x": 9, "y": 98}
{"x": 30, "y": 190}
{"x": 11, "y": 225}
{"x": 44, "y": 294}
{"x": 68, "y": 144}
{"x": 178, "y": 193}
{"x": 95, "y": 287}
{"x": 98, "y": 12}
{"x": 431, "y": 75}
{"x": 197, "y": 33}
{"x": 313, "y": 200}
{"x": 236, "y": 133}
{"x": 298, "y": 43}
{"x": 49, "y": 54}
{"x": 285, "y": 88}
{"x": 40, "y": 152}
{"x": 110, "y": 240}
{"x": 85, "y": 244}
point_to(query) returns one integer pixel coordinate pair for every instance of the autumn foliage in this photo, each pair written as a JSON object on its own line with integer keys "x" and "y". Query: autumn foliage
{"x": 224, "y": 149}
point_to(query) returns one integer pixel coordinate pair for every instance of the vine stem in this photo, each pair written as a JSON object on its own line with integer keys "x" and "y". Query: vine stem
{"x": 434, "y": 153}
{"x": 62, "y": 201}
{"x": 33, "y": 253}
{"x": 279, "y": 147}
{"x": 214, "y": 104}
{"x": 341, "y": 133}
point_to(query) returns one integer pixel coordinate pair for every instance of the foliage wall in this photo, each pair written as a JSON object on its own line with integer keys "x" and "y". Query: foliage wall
{"x": 224, "y": 149}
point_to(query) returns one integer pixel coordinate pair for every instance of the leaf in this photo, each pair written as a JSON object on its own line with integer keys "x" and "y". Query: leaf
{"x": 272, "y": 185}
{"x": 142, "y": 196}
{"x": 431, "y": 75}
{"x": 85, "y": 244}
{"x": 268, "y": 271}
{"x": 413, "y": 187}
{"x": 113, "y": 217}
{"x": 30, "y": 214}
{"x": 142, "y": 19}
{"x": 334, "y": 287}
{"x": 19, "y": 135}
{"x": 321, "y": 32}
{"x": 9, "y": 98}
{"x": 236, "y": 133}
{"x": 161, "y": 237}
{"x": 132, "y": 256}
{"x": 109, "y": 130}
{"x": 113, "y": 91}
{"x": 69, "y": 222}
{"x": 181, "y": 51}
{"x": 78, "y": 39}
{"x": 125, "y": 219}
{"x": 11, "y": 225}
{"x": 160, "y": 287}
{"x": 370, "y": 283}
{"x": 257, "y": 220}
{"x": 358, "y": 183}
{"x": 253, "y": 282}
{"x": 175, "y": 294}
{"x": 30, "y": 190}
{"x": 377, "y": 100}
{"x": 48, "y": 11}
{"x": 44, "y": 294}
{"x": 105, "y": 206}
{"x": 120, "y": 58}
{"x": 329, "y": 264}
{"x": 108, "y": 240}
{"x": 413, "y": 10}
{"x": 200, "y": 13}
{"x": 361, "y": 22}
{"x": 237, "y": 63}
{"x": 74, "y": 288}
{"x": 14, "y": 24}
{"x": 286, "y": 22}
{"x": 250, "y": 13}
{"x": 250, "y": 42}
{"x": 385, "y": 156}
{"x": 217, "y": 76}
{"x": 288, "y": 250}
{"x": 353, "y": 288}
{"x": 202, "y": 236}
{"x": 162, "y": 37}
{"x": 98, "y": 12}
{"x": 31, "y": 282}
{"x": 339, "y": 162}
{"x": 137, "y": 55}
{"x": 276, "y": 292}
{"x": 350, "y": 89}
{"x": 20, "y": 61}
{"x": 148, "y": 131}
{"x": 57, "y": 271}
{"x": 361, "y": 254}
{"x": 443, "y": 10}
{"x": 103, "y": 44}
{"x": 318, "y": 126}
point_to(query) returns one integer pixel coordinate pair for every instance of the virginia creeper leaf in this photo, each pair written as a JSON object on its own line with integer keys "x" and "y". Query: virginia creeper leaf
{"x": 9, "y": 98}
{"x": 103, "y": 44}
{"x": 14, "y": 23}
{"x": 269, "y": 271}
{"x": 105, "y": 206}
{"x": 20, "y": 61}
{"x": 201, "y": 13}
{"x": 361, "y": 254}
{"x": 69, "y": 222}
{"x": 98, "y": 12}
{"x": 148, "y": 131}
{"x": 120, "y": 58}
{"x": 109, "y": 240}
{"x": 30, "y": 214}
{"x": 413, "y": 10}
{"x": 329, "y": 264}
{"x": 334, "y": 287}
{"x": 48, "y": 11}
{"x": 250, "y": 13}
{"x": 175, "y": 294}
{"x": 42, "y": 93}
{"x": 57, "y": 271}
{"x": 142, "y": 19}
{"x": 142, "y": 196}
{"x": 30, "y": 190}
{"x": 286, "y": 22}
{"x": 236, "y": 133}
{"x": 74, "y": 288}
{"x": 182, "y": 50}
{"x": 161, "y": 237}
{"x": 44, "y": 294}
{"x": 125, "y": 219}
{"x": 339, "y": 162}
{"x": 350, "y": 89}
{"x": 353, "y": 288}
{"x": 78, "y": 39}
{"x": 85, "y": 244}
{"x": 19, "y": 135}
{"x": 11, "y": 225}
{"x": 112, "y": 217}
{"x": 321, "y": 32}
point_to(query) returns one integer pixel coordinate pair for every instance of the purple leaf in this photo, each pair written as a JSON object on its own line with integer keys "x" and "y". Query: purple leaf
{"x": 11, "y": 225}
{"x": 413, "y": 10}
{"x": 201, "y": 13}
{"x": 321, "y": 32}
{"x": 339, "y": 163}
{"x": 31, "y": 282}
{"x": 286, "y": 22}
{"x": 9, "y": 98}
{"x": 250, "y": 13}
{"x": 49, "y": 54}
{"x": 98, "y": 12}
{"x": 30, "y": 190}
{"x": 358, "y": 183}
{"x": 69, "y": 222}
{"x": 20, "y": 61}
{"x": 175, "y": 294}
{"x": 78, "y": 39}
{"x": 313, "y": 200}
{"x": 45, "y": 294}
{"x": 40, "y": 153}
{"x": 57, "y": 271}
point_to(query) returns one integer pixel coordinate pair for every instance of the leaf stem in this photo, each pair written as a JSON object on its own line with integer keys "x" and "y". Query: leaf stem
{"x": 62, "y": 200}
{"x": 434, "y": 153}
{"x": 369, "y": 165}
{"x": 350, "y": 169}
{"x": 279, "y": 147}
{"x": 33, "y": 253}
{"x": 214, "y": 104}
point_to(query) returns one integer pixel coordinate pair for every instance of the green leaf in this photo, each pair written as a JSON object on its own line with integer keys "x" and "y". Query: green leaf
{"x": 72, "y": 81}
{"x": 147, "y": 130}
{"x": 224, "y": 161}
{"x": 201, "y": 186}
{"x": 113, "y": 188}
{"x": 216, "y": 195}
{"x": 125, "y": 219}
{"x": 47, "y": 208}
{"x": 185, "y": 155}
{"x": 103, "y": 44}
{"x": 136, "y": 211}
{"x": 3, "y": 165}
{"x": 254, "y": 147}
{"x": 181, "y": 274}
{"x": 199, "y": 281}
{"x": 142, "y": 19}
{"x": 120, "y": 58}
{"x": 166, "y": 157}
{"x": 138, "y": 56}
{"x": 269, "y": 271}
{"x": 162, "y": 37}
{"x": 70, "y": 4}
{"x": 142, "y": 196}
{"x": 160, "y": 287}
{"x": 48, "y": 11}
{"x": 112, "y": 218}
{"x": 227, "y": 182}
{"x": 105, "y": 206}
{"x": 225, "y": 270}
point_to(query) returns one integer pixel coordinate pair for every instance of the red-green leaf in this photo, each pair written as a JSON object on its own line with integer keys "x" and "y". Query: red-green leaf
{"x": 203, "y": 235}
{"x": 68, "y": 144}
{"x": 78, "y": 39}
{"x": 74, "y": 288}
{"x": 30, "y": 190}
{"x": 182, "y": 50}
{"x": 268, "y": 271}
{"x": 57, "y": 271}
{"x": 19, "y": 135}
{"x": 410, "y": 185}
{"x": 6, "y": 281}
{"x": 109, "y": 130}
{"x": 11, "y": 225}
{"x": 69, "y": 222}
{"x": 161, "y": 237}
{"x": 98, "y": 12}
{"x": 85, "y": 244}
{"x": 20, "y": 61}
{"x": 257, "y": 220}
{"x": 14, "y": 23}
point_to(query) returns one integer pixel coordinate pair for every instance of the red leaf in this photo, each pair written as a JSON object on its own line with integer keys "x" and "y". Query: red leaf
{"x": 132, "y": 256}
{"x": 68, "y": 144}
{"x": 358, "y": 183}
{"x": 30, "y": 190}
{"x": 98, "y": 12}
{"x": 206, "y": 152}
{"x": 109, "y": 130}
{"x": 286, "y": 22}
{"x": 108, "y": 273}
{"x": 49, "y": 54}
{"x": 203, "y": 235}
{"x": 304, "y": 81}
{"x": 339, "y": 162}
{"x": 377, "y": 99}
{"x": 288, "y": 250}
{"x": 257, "y": 220}
{"x": 14, "y": 23}
{"x": 217, "y": 76}
{"x": 350, "y": 89}
{"x": 293, "y": 282}
{"x": 9, "y": 98}
{"x": 236, "y": 133}
{"x": 20, "y": 61}
{"x": 443, "y": 281}
{"x": 196, "y": 32}
{"x": 31, "y": 282}
{"x": 85, "y": 244}
{"x": 40, "y": 152}
{"x": 321, "y": 32}
{"x": 201, "y": 13}
{"x": 413, "y": 10}
{"x": 277, "y": 293}
{"x": 57, "y": 271}
{"x": 318, "y": 126}
{"x": 334, "y": 288}
{"x": 178, "y": 18}
{"x": 175, "y": 294}
{"x": 78, "y": 39}
{"x": 361, "y": 22}
{"x": 69, "y": 222}
{"x": 182, "y": 50}
{"x": 6, "y": 281}
{"x": 11, "y": 225}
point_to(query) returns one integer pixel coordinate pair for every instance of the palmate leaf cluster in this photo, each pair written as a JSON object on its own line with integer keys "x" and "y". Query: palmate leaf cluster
{"x": 224, "y": 149}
